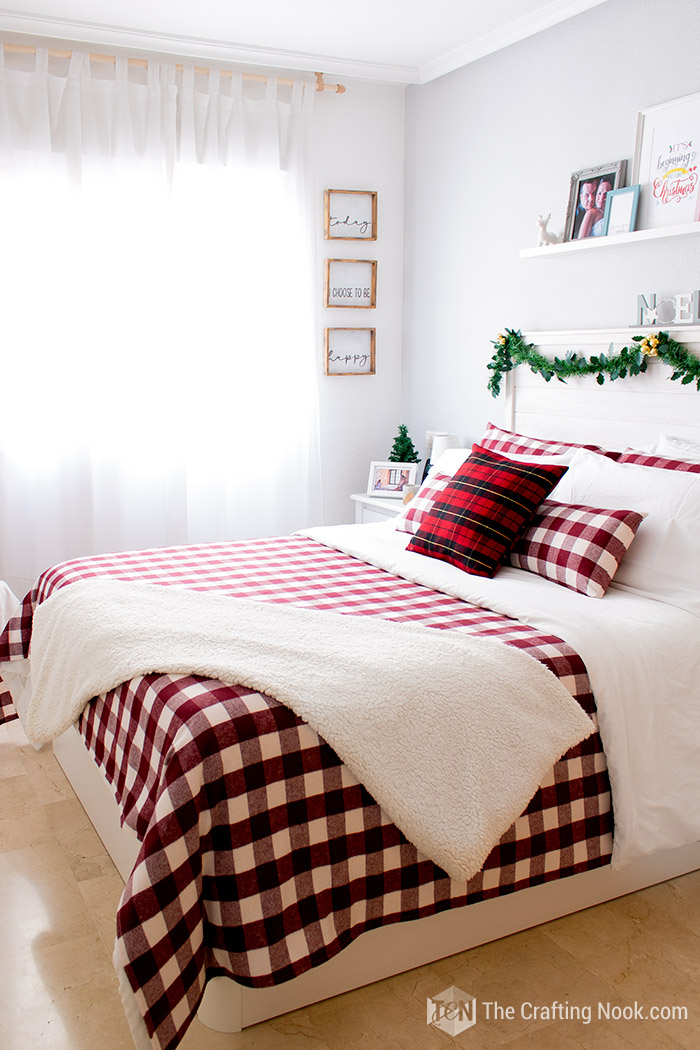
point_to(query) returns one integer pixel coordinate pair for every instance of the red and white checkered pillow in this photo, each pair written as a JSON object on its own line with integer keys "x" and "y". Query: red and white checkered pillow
{"x": 483, "y": 511}
{"x": 579, "y": 547}
{"x": 506, "y": 442}
{"x": 646, "y": 459}
{"x": 422, "y": 503}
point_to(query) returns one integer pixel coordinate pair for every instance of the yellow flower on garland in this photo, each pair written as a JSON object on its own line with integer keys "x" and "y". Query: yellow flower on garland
{"x": 501, "y": 339}
{"x": 650, "y": 346}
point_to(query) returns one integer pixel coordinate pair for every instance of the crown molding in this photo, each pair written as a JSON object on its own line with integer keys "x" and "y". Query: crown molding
{"x": 116, "y": 36}
{"x": 512, "y": 33}
{"x": 201, "y": 48}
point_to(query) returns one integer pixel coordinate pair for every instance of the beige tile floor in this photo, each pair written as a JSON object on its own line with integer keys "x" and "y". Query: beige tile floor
{"x": 59, "y": 892}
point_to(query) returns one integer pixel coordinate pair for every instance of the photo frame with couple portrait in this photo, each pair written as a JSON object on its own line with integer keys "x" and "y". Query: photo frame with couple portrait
{"x": 585, "y": 215}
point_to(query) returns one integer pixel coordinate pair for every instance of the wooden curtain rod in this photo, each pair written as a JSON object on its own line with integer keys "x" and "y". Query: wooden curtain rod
{"x": 25, "y": 49}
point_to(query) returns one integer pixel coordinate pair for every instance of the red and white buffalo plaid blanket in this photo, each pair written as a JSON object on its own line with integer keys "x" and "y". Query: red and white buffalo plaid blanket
{"x": 261, "y": 855}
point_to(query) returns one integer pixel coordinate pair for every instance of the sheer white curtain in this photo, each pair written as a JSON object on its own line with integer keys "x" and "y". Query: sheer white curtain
{"x": 159, "y": 381}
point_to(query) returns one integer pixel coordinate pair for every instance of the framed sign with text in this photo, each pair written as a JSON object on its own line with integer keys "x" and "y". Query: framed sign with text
{"x": 351, "y": 283}
{"x": 350, "y": 215}
{"x": 350, "y": 351}
{"x": 666, "y": 163}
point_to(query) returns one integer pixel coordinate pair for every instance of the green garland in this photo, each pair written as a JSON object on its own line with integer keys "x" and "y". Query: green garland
{"x": 512, "y": 350}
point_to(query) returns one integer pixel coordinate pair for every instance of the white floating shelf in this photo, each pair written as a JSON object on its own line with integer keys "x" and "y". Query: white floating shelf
{"x": 608, "y": 242}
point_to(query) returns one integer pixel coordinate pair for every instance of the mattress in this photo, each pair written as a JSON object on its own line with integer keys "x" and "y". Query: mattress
{"x": 261, "y": 855}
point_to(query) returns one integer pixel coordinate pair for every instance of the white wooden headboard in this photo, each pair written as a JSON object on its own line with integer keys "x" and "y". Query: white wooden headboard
{"x": 625, "y": 412}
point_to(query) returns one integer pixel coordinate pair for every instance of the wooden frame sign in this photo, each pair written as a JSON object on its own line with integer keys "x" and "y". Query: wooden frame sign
{"x": 351, "y": 283}
{"x": 350, "y": 351}
{"x": 350, "y": 215}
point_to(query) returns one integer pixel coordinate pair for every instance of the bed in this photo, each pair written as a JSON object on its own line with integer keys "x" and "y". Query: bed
{"x": 251, "y": 851}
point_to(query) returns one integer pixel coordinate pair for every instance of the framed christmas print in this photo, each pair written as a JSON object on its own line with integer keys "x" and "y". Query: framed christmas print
{"x": 666, "y": 163}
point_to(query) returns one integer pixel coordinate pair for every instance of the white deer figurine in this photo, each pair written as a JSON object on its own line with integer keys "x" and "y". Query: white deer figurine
{"x": 543, "y": 234}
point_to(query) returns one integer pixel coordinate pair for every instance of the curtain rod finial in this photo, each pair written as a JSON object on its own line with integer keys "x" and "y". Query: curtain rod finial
{"x": 322, "y": 86}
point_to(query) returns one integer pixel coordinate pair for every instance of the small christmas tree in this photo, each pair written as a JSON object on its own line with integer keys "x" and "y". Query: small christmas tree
{"x": 403, "y": 449}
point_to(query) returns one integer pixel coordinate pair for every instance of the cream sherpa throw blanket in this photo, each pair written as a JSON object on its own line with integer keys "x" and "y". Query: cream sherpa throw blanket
{"x": 450, "y": 733}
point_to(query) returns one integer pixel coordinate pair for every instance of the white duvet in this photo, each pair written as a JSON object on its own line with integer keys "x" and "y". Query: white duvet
{"x": 643, "y": 660}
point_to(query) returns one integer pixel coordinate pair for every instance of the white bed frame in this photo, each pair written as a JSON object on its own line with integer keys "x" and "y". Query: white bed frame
{"x": 633, "y": 411}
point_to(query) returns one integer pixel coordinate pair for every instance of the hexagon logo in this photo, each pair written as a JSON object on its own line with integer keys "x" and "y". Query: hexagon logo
{"x": 452, "y": 1011}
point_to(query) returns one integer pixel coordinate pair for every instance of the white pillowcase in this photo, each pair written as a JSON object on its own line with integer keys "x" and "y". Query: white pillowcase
{"x": 677, "y": 448}
{"x": 562, "y": 458}
{"x": 664, "y": 560}
{"x": 671, "y": 447}
{"x": 450, "y": 461}
{"x": 453, "y": 458}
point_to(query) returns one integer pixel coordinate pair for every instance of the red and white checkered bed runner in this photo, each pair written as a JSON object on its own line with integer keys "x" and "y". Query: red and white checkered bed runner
{"x": 261, "y": 854}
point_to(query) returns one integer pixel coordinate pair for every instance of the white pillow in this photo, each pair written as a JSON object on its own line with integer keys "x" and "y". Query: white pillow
{"x": 677, "y": 448}
{"x": 450, "y": 461}
{"x": 453, "y": 458}
{"x": 664, "y": 560}
{"x": 562, "y": 458}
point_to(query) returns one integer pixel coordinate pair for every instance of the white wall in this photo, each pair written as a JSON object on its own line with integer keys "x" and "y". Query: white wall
{"x": 360, "y": 145}
{"x": 493, "y": 144}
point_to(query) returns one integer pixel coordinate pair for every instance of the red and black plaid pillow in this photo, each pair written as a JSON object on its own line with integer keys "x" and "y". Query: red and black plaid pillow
{"x": 483, "y": 511}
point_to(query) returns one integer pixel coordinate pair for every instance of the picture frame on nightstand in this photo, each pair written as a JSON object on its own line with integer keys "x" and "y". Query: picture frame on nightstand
{"x": 389, "y": 479}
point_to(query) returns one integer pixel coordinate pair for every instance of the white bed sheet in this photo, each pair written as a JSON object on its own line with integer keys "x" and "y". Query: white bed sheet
{"x": 643, "y": 660}
{"x": 8, "y": 604}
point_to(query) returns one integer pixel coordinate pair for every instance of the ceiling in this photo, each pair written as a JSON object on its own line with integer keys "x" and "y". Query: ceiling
{"x": 400, "y": 41}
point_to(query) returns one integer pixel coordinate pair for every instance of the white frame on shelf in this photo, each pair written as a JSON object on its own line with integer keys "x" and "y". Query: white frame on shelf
{"x": 669, "y": 128}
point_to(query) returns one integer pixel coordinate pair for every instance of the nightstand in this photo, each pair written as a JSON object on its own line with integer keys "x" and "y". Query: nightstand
{"x": 375, "y": 508}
